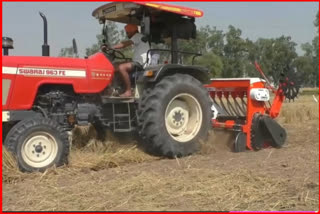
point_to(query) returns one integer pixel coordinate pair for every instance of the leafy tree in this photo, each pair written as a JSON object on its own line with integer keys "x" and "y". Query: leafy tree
{"x": 205, "y": 43}
{"x": 252, "y": 55}
{"x": 66, "y": 52}
{"x": 216, "y": 41}
{"x": 308, "y": 63}
{"x": 276, "y": 56}
{"x": 227, "y": 54}
{"x": 212, "y": 62}
{"x": 198, "y": 45}
{"x": 308, "y": 49}
{"x": 305, "y": 67}
{"x": 234, "y": 53}
{"x": 315, "y": 44}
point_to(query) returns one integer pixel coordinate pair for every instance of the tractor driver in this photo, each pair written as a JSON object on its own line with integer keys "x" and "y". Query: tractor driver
{"x": 140, "y": 50}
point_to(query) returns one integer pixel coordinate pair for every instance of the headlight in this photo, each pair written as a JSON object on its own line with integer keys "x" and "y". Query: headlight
{"x": 260, "y": 94}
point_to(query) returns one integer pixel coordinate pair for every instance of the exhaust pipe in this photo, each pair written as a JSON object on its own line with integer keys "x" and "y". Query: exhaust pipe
{"x": 45, "y": 46}
{"x": 7, "y": 43}
{"x": 75, "y": 48}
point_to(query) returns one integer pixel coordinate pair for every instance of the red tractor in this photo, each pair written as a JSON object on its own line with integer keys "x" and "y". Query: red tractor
{"x": 45, "y": 97}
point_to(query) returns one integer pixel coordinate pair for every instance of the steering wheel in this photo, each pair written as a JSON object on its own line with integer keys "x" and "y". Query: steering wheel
{"x": 112, "y": 53}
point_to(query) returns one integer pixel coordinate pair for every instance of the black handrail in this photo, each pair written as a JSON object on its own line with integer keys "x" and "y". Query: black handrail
{"x": 167, "y": 50}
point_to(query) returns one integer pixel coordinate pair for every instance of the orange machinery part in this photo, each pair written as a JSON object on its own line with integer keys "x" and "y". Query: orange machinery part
{"x": 241, "y": 87}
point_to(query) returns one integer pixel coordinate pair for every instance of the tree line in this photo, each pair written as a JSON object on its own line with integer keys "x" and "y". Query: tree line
{"x": 228, "y": 54}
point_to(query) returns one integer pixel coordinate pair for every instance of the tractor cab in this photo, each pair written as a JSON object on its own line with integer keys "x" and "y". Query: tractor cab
{"x": 159, "y": 23}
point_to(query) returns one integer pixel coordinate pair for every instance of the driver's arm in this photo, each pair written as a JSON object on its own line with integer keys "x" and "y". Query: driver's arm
{"x": 123, "y": 44}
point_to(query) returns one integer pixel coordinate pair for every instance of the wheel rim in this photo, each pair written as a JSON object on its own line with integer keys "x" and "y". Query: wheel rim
{"x": 39, "y": 149}
{"x": 183, "y": 117}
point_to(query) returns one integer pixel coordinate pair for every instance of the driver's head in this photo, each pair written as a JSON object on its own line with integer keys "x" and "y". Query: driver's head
{"x": 131, "y": 29}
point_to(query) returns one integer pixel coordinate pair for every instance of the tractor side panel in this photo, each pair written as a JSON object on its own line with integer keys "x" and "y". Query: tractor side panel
{"x": 8, "y": 80}
{"x": 30, "y": 78}
{"x": 100, "y": 72}
{"x": 87, "y": 76}
{"x": 6, "y": 83}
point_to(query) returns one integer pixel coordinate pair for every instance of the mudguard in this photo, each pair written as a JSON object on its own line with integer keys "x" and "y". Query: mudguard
{"x": 266, "y": 130}
{"x": 277, "y": 133}
{"x": 198, "y": 72}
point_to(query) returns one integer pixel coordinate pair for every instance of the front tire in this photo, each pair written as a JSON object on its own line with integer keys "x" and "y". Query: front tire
{"x": 175, "y": 116}
{"x": 38, "y": 143}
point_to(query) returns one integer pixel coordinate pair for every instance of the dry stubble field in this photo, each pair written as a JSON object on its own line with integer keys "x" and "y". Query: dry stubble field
{"x": 120, "y": 177}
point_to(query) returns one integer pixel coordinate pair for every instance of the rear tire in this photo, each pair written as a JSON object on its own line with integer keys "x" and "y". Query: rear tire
{"x": 175, "y": 116}
{"x": 38, "y": 143}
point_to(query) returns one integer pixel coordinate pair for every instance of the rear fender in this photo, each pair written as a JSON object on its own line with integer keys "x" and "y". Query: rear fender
{"x": 198, "y": 72}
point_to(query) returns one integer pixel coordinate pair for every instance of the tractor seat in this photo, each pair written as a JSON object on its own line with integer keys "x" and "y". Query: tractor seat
{"x": 137, "y": 67}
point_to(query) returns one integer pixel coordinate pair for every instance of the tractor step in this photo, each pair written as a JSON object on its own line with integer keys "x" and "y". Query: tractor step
{"x": 107, "y": 99}
{"x": 122, "y": 130}
{"x": 121, "y": 120}
{"x": 122, "y": 115}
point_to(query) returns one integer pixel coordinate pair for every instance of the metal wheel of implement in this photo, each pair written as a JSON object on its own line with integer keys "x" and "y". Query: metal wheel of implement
{"x": 240, "y": 142}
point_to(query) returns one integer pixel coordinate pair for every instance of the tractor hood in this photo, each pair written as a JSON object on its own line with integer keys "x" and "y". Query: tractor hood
{"x": 28, "y": 74}
{"x": 96, "y": 66}
{"x": 47, "y": 62}
{"x": 97, "y": 61}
